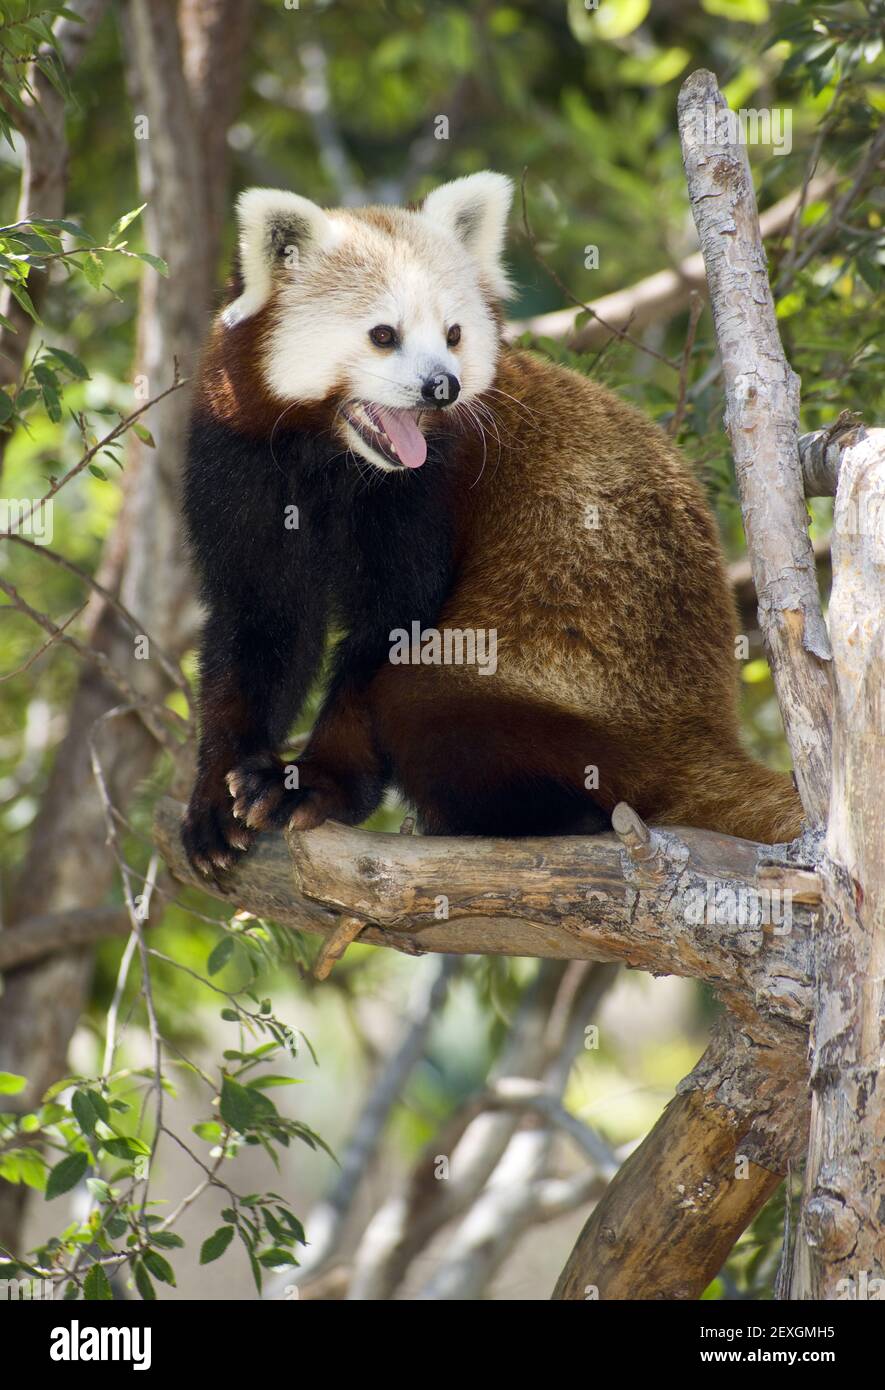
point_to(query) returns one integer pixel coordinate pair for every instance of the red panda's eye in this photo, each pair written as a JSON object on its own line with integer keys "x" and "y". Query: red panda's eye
{"x": 383, "y": 335}
{"x": 453, "y": 337}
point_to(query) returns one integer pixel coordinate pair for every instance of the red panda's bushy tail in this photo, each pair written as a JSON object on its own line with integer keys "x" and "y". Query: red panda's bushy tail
{"x": 740, "y": 797}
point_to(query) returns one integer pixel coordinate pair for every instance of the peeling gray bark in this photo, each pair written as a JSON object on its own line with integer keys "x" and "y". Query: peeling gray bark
{"x": 762, "y": 394}
{"x": 841, "y": 1241}
{"x": 570, "y": 899}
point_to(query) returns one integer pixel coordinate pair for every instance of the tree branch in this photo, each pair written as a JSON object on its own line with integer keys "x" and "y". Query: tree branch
{"x": 667, "y": 1221}
{"x": 59, "y": 931}
{"x": 841, "y": 1240}
{"x": 575, "y": 899}
{"x": 327, "y": 1219}
{"x": 762, "y": 394}
{"x": 658, "y": 296}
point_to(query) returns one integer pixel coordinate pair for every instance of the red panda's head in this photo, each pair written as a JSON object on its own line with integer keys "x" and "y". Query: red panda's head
{"x": 386, "y": 315}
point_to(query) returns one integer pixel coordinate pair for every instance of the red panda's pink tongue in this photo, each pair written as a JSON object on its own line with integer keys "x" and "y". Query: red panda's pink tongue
{"x": 404, "y": 434}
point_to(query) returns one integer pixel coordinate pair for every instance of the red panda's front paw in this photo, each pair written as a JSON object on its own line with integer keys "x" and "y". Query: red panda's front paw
{"x": 269, "y": 794}
{"x": 213, "y": 840}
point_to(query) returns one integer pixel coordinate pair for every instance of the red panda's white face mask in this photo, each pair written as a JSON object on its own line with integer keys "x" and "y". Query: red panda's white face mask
{"x": 389, "y": 313}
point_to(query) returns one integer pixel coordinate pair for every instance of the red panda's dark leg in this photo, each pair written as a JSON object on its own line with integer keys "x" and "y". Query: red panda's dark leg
{"x": 487, "y": 766}
{"x": 340, "y": 774}
{"x": 254, "y": 675}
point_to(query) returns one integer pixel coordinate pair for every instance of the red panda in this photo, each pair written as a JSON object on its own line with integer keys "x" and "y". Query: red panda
{"x": 536, "y": 617}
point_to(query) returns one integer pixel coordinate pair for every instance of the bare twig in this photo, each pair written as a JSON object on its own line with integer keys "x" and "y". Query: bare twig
{"x": 334, "y": 946}
{"x": 695, "y": 309}
{"x": 825, "y": 232}
{"x": 325, "y": 1226}
{"x": 44, "y": 646}
{"x": 149, "y": 712}
{"x": 617, "y": 332}
{"x": 169, "y": 664}
{"x": 507, "y": 1205}
{"x": 137, "y": 915}
{"x": 90, "y": 454}
{"x": 658, "y": 297}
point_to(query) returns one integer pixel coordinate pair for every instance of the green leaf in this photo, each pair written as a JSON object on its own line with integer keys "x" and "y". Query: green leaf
{"x": 122, "y": 223}
{"x": 159, "y": 1267}
{"x": 20, "y": 294}
{"x": 58, "y": 1086}
{"x": 264, "y": 1082}
{"x": 276, "y": 1256}
{"x": 10, "y": 1082}
{"x": 66, "y": 1175}
{"x": 101, "y": 1107}
{"x": 126, "y": 1146}
{"x": 220, "y": 955}
{"x": 61, "y": 224}
{"x": 144, "y": 435}
{"x": 98, "y": 472}
{"x": 71, "y": 363}
{"x": 34, "y": 242}
{"x": 242, "y": 1107}
{"x": 142, "y": 1281}
{"x": 294, "y": 1225}
{"x": 156, "y": 261}
{"x": 167, "y": 1239}
{"x": 275, "y": 1229}
{"x": 24, "y": 1165}
{"x": 210, "y": 1130}
{"x": 215, "y": 1245}
{"x": 83, "y": 1111}
{"x": 52, "y": 68}
{"x": 93, "y": 268}
{"x": 96, "y": 1285}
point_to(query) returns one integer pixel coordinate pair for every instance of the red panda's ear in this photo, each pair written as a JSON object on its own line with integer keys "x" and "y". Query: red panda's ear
{"x": 277, "y": 230}
{"x": 475, "y": 210}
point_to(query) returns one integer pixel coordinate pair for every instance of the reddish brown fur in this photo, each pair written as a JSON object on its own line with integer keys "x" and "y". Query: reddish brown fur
{"x": 615, "y": 642}
{"x": 615, "y": 645}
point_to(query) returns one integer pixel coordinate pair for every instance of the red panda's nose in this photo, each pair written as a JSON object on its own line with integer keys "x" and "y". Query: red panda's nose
{"x": 440, "y": 389}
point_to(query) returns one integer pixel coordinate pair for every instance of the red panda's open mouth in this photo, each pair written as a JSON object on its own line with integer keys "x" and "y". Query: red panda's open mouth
{"x": 394, "y": 434}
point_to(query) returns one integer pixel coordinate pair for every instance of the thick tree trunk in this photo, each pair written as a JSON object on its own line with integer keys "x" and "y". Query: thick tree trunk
{"x": 44, "y": 182}
{"x": 684, "y": 1176}
{"x": 840, "y": 1250}
{"x": 762, "y": 394}
{"x": 68, "y": 863}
